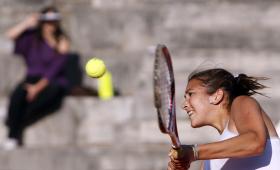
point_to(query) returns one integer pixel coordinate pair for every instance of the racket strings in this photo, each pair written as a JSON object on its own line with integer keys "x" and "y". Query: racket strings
{"x": 165, "y": 83}
{"x": 164, "y": 90}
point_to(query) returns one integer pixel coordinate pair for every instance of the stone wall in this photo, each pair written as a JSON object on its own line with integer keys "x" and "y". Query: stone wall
{"x": 122, "y": 134}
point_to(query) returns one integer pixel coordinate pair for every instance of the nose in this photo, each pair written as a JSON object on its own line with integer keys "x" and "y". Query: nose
{"x": 185, "y": 105}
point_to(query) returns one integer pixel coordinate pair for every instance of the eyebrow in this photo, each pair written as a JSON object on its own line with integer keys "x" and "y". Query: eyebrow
{"x": 187, "y": 91}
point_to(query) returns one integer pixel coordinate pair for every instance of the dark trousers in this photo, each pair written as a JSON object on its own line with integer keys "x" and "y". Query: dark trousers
{"x": 22, "y": 113}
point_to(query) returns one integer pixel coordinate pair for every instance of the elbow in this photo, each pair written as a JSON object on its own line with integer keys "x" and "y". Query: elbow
{"x": 260, "y": 149}
{"x": 10, "y": 35}
{"x": 257, "y": 148}
{"x": 256, "y": 144}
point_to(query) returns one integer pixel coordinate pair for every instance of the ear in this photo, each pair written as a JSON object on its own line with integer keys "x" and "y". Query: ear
{"x": 216, "y": 97}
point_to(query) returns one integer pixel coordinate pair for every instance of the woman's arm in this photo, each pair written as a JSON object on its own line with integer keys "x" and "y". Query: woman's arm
{"x": 34, "y": 89}
{"x": 202, "y": 165}
{"x": 251, "y": 141}
{"x": 29, "y": 22}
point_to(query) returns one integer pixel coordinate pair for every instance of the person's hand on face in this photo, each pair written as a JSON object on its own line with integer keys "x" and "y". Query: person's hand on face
{"x": 63, "y": 46}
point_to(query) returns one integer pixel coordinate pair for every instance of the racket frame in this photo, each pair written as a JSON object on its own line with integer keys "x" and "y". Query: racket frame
{"x": 171, "y": 129}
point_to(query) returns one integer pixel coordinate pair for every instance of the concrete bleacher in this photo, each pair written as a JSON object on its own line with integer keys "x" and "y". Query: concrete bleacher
{"x": 122, "y": 133}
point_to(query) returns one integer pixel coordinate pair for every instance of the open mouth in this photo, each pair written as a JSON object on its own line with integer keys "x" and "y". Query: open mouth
{"x": 190, "y": 113}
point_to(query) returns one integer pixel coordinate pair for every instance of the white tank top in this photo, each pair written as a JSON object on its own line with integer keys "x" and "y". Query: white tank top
{"x": 269, "y": 160}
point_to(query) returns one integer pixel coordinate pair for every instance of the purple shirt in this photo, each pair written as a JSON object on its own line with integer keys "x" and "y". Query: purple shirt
{"x": 40, "y": 58}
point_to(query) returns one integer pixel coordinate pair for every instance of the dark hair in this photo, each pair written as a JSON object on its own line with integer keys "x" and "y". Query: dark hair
{"x": 58, "y": 32}
{"x": 217, "y": 78}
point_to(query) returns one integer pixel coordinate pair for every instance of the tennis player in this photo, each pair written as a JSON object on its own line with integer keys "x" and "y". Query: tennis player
{"x": 248, "y": 139}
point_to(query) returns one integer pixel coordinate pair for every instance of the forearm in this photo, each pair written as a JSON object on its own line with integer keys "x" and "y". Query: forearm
{"x": 247, "y": 144}
{"x": 35, "y": 89}
{"x": 201, "y": 166}
{"x": 41, "y": 84}
{"x": 29, "y": 22}
{"x": 15, "y": 31}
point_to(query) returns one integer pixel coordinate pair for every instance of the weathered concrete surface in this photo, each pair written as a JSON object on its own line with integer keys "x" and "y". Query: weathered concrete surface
{"x": 122, "y": 134}
{"x": 92, "y": 134}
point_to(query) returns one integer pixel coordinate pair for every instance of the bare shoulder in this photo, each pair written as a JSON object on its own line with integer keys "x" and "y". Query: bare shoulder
{"x": 245, "y": 104}
{"x": 244, "y": 100}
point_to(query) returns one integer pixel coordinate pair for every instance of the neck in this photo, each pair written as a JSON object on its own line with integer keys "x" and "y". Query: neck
{"x": 221, "y": 121}
{"x": 50, "y": 39}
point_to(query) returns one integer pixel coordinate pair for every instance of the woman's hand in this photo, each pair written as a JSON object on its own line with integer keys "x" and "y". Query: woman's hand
{"x": 32, "y": 20}
{"x": 32, "y": 92}
{"x": 63, "y": 45}
{"x": 34, "y": 89}
{"x": 180, "y": 159}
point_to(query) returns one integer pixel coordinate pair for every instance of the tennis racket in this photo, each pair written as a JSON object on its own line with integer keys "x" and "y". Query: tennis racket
{"x": 164, "y": 94}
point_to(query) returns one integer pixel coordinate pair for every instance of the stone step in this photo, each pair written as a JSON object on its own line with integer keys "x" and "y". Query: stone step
{"x": 138, "y": 67}
{"x": 121, "y": 134}
{"x": 111, "y": 4}
{"x": 85, "y": 121}
{"x": 12, "y": 70}
{"x": 190, "y": 24}
{"x": 95, "y": 133}
{"x": 185, "y": 25}
{"x": 253, "y": 63}
{"x": 113, "y": 157}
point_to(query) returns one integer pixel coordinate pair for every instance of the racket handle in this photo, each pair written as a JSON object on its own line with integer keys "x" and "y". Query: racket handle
{"x": 176, "y": 144}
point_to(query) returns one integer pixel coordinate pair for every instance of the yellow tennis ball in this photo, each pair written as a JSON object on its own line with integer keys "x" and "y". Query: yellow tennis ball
{"x": 95, "y": 68}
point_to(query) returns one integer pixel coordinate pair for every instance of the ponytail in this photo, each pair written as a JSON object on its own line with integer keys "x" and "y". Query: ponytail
{"x": 245, "y": 85}
{"x": 216, "y": 78}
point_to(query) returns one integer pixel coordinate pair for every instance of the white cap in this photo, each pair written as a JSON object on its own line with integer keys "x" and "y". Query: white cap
{"x": 50, "y": 16}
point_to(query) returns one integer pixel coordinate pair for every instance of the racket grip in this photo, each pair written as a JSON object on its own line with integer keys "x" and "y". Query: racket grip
{"x": 176, "y": 144}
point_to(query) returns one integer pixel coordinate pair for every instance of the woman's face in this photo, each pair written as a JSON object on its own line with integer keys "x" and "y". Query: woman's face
{"x": 196, "y": 103}
{"x": 49, "y": 26}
